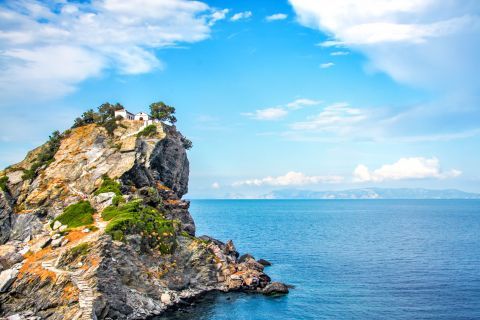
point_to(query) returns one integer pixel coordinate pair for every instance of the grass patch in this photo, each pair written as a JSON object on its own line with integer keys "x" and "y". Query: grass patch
{"x": 109, "y": 185}
{"x": 3, "y": 183}
{"x": 117, "y": 200}
{"x": 149, "y": 131}
{"x": 76, "y": 215}
{"x": 136, "y": 218}
{"x": 80, "y": 250}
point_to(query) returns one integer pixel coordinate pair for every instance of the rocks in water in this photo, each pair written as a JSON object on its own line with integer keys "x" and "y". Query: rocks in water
{"x": 244, "y": 257}
{"x": 264, "y": 262}
{"x": 275, "y": 288}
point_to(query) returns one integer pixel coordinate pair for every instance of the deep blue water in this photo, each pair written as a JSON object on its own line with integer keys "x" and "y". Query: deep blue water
{"x": 380, "y": 259}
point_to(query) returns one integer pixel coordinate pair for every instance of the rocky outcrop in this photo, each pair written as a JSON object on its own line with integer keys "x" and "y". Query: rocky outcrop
{"x": 152, "y": 263}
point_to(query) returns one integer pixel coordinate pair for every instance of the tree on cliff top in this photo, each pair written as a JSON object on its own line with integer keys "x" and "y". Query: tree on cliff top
{"x": 162, "y": 112}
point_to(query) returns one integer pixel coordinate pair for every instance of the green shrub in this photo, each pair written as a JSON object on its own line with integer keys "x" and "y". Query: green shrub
{"x": 149, "y": 131}
{"x": 136, "y": 218}
{"x": 3, "y": 183}
{"x": 187, "y": 144}
{"x": 76, "y": 215}
{"x": 45, "y": 157}
{"x": 117, "y": 200}
{"x": 109, "y": 185}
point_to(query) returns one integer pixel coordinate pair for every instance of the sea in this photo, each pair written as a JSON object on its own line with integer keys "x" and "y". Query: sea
{"x": 349, "y": 259}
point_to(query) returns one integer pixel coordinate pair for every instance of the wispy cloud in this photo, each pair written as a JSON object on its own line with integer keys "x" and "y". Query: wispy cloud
{"x": 327, "y": 65}
{"x": 48, "y": 48}
{"x": 275, "y": 113}
{"x": 241, "y": 15}
{"x": 339, "y": 53}
{"x": 338, "y": 118}
{"x": 267, "y": 114}
{"x": 404, "y": 169}
{"x": 414, "y": 41}
{"x": 291, "y": 178}
{"x": 276, "y": 17}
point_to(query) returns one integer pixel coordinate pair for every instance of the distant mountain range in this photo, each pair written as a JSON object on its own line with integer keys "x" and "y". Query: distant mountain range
{"x": 372, "y": 193}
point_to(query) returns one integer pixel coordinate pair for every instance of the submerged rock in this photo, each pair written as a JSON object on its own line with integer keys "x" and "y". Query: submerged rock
{"x": 275, "y": 288}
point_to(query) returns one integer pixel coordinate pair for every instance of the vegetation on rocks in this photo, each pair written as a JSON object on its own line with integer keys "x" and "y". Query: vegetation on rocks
{"x": 149, "y": 131}
{"x": 137, "y": 218}
{"x": 3, "y": 183}
{"x": 46, "y": 155}
{"x": 162, "y": 112}
{"x": 109, "y": 185}
{"x": 105, "y": 117}
{"x": 76, "y": 215}
{"x": 79, "y": 250}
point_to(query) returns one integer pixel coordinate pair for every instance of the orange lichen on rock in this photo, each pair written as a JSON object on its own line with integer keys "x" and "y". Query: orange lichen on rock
{"x": 33, "y": 265}
{"x": 172, "y": 202}
{"x": 70, "y": 293}
{"x": 75, "y": 235}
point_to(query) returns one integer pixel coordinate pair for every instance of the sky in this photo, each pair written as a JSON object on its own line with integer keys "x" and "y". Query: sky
{"x": 279, "y": 94}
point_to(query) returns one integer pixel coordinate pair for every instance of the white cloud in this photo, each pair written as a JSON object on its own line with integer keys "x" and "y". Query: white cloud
{"x": 433, "y": 44}
{"x": 217, "y": 16}
{"x": 340, "y": 53}
{"x": 292, "y": 178}
{"x": 215, "y": 185}
{"x": 405, "y": 168}
{"x": 276, "y": 17}
{"x": 47, "y": 48}
{"x": 279, "y": 112}
{"x": 241, "y": 15}
{"x": 301, "y": 103}
{"x": 267, "y": 114}
{"x": 327, "y": 65}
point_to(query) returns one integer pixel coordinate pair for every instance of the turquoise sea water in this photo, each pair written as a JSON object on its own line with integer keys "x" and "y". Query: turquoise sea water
{"x": 360, "y": 259}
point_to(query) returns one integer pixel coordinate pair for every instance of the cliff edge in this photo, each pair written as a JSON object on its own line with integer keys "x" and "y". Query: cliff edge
{"x": 99, "y": 230}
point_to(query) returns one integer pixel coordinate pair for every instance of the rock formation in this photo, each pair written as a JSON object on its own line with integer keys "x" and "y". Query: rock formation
{"x": 101, "y": 231}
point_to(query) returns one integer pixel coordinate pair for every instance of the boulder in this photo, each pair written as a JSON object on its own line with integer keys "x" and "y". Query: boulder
{"x": 102, "y": 200}
{"x": 7, "y": 277}
{"x": 244, "y": 257}
{"x": 264, "y": 262}
{"x": 275, "y": 288}
{"x": 40, "y": 244}
{"x": 57, "y": 242}
{"x": 57, "y": 224}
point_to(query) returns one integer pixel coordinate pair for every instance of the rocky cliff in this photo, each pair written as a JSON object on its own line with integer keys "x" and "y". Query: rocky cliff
{"x": 101, "y": 231}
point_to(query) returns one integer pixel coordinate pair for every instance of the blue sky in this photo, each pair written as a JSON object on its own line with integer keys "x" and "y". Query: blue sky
{"x": 274, "y": 94}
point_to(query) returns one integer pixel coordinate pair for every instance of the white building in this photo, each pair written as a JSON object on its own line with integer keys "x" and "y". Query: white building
{"x": 142, "y": 116}
{"x": 124, "y": 114}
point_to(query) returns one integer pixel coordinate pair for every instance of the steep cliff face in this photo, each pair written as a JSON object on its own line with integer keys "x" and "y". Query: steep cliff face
{"x": 102, "y": 232}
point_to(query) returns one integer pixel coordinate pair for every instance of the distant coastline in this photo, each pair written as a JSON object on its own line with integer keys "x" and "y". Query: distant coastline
{"x": 357, "y": 194}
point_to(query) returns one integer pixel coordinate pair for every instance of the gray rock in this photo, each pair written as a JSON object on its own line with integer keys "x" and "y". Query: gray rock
{"x": 56, "y": 225}
{"x": 6, "y": 216}
{"x": 102, "y": 200}
{"x": 244, "y": 257}
{"x": 57, "y": 242}
{"x": 7, "y": 277}
{"x": 264, "y": 262}
{"x": 275, "y": 288}
{"x": 26, "y": 225}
